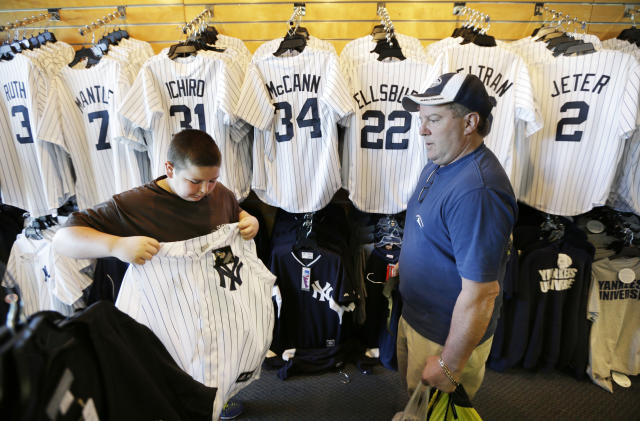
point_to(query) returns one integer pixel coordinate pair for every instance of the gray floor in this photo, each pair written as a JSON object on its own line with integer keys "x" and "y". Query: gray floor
{"x": 517, "y": 395}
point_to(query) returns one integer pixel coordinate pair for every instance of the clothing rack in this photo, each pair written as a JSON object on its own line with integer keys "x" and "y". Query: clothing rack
{"x": 119, "y": 13}
{"x": 52, "y": 14}
{"x": 563, "y": 18}
{"x": 385, "y": 20}
{"x": 475, "y": 18}
{"x": 299, "y": 10}
{"x": 198, "y": 21}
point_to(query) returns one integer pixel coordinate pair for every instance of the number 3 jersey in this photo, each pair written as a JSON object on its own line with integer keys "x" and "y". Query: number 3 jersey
{"x": 195, "y": 92}
{"x": 23, "y": 157}
{"x": 295, "y": 102}
{"x": 208, "y": 299}
{"x": 589, "y": 106}
{"x": 384, "y": 153}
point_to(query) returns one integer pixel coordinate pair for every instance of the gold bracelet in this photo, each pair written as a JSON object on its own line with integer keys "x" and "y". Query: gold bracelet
{"x": 447, "y": 373}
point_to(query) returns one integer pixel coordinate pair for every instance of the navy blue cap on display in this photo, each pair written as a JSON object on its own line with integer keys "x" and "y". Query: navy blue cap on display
{"x": 462, "y": 88}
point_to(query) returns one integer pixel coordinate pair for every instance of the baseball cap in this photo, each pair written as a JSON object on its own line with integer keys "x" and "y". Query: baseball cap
{"x": 462, "y": 88}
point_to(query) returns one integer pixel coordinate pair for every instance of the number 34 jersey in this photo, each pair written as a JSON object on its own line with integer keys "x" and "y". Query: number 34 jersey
{"x": 589, "y": 105}
{"x": 384, "y": 153}
{"x": 295, "y": 102}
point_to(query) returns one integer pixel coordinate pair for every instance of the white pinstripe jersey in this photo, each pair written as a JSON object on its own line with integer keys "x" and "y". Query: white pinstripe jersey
{"x": 23, "y": 157}
{"x": 506, "y": 78}
{"x": 589, "y": 105}
{"x": 625, "y": 189}
{"x": 46, "y": 280}
{"x": 384, "y": 153}
{"x": 197, "y": 92}
{"x": 87, "y": 101}
{"x": 297, "y": 101}
{"x": 216, "y": 322}
{"x": 622, "y": 46}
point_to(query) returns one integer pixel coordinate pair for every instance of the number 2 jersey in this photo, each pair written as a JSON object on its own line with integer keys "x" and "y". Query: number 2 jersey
{"x": 295, "y": 102}
{"x": 195, "y": 92}
{"x": 589, "y": 105}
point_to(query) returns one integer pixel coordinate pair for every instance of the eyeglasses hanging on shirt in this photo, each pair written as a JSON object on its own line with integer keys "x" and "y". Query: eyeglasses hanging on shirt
{"x": 427, "y": 185}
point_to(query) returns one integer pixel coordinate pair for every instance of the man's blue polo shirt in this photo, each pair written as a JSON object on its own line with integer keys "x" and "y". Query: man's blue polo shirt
{"x": 459, "y": 228}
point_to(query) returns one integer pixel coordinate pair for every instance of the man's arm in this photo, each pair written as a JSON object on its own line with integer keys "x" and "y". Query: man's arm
{"x": 248, "y": 225}
{"x": 471, "y": 316}
{"x": 87, "y": 243}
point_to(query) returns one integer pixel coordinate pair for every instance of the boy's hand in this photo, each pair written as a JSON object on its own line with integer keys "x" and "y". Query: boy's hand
{"x": 248, "y": 225}
{"x": 135, "y": 249}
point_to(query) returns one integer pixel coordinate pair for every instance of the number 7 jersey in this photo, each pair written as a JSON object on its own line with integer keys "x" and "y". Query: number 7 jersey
{"x": 589, "y": 106}
{"x": 296, "y": 103}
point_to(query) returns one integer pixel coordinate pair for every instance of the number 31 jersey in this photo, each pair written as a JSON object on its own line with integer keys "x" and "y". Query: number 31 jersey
{"x": 384, "y": 153}
{"x": 195, "y": 92}
{"x": 297, "y": 102}
{"x": 589, "y": 105}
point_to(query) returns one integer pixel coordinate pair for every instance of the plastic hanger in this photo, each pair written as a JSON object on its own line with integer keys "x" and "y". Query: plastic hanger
{"x": 293, "y": 42}
{"x": 388, "y": 48}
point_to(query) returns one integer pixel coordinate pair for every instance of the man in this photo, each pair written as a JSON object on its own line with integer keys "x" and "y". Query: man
{"x": 456, "y": 240}
{"x": 187, "y": 202}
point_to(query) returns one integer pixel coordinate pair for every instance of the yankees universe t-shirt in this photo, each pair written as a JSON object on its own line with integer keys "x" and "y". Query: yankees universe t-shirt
{"x": 154, "y": 212}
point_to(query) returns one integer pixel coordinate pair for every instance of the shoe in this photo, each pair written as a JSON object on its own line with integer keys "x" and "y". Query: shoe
{"x": 232, "y": 409}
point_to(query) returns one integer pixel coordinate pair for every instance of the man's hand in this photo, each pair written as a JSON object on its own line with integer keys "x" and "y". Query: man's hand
{"x": 248, "y": 225}
{"x": 135, "y": 249}
{"x": 433, "y": 375}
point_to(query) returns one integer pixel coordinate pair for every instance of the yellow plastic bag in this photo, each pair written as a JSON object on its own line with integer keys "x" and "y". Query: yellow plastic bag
{"x": 451, "y": 406}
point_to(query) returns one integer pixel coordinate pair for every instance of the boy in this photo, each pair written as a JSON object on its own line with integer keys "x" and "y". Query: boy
{"x": 188, "y": 202}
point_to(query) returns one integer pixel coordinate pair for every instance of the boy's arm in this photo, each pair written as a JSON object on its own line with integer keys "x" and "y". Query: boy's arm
{"x": 88, "y": 243}
{"x": 248, "y": 225}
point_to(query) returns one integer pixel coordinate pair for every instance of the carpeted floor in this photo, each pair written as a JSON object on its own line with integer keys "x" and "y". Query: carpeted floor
{"x": 516, "y": 395}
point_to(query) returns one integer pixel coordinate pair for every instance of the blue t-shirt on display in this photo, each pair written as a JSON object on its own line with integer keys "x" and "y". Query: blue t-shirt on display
{"x": 459, "y": 226}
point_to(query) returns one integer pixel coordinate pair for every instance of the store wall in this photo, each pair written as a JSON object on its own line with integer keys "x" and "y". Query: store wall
{"x": 160, "y": 21}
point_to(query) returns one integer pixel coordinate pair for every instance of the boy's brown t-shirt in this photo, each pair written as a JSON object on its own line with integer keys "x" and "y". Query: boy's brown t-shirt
{"x": 152, "y": 211}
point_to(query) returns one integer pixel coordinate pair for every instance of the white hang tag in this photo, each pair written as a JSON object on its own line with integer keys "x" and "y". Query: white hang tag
{"x": 305, "y": 284}
{"x": 627, "y": 275}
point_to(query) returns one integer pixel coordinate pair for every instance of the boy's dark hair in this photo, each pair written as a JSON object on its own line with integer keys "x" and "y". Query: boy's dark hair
{"x": 194, "y": 147}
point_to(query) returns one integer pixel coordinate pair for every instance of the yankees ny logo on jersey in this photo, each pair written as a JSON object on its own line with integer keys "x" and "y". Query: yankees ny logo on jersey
{"x": 216, "y": 332}
{"x": 321, "y": 293}
{"x": 233, "y": 274}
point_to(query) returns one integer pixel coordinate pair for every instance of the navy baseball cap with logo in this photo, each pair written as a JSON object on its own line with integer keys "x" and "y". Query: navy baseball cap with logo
{"x": 462, "y": 88}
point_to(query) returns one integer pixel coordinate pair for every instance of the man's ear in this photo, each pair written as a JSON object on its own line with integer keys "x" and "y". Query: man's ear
{"x": 471, "y": 122}
{"x": 169, "y": 168}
